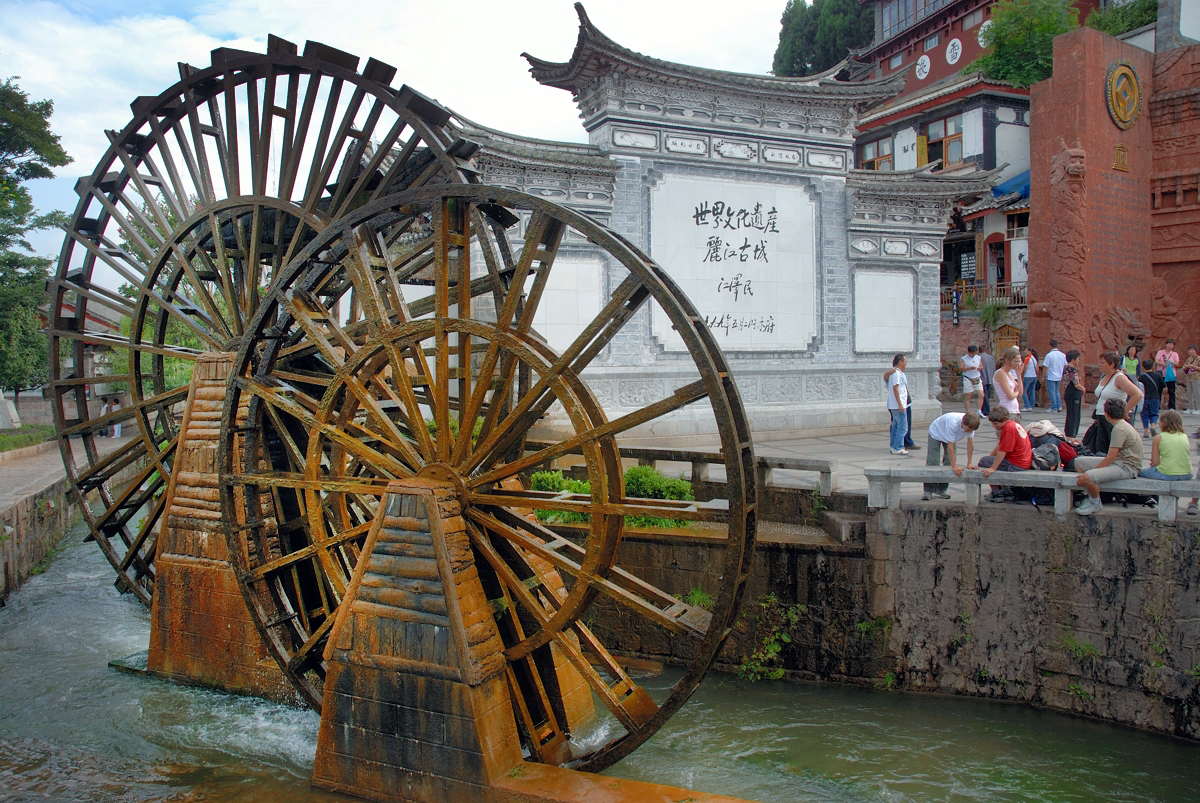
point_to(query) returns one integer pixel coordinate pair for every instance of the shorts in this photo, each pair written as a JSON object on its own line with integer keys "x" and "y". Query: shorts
{"x": 1110, "y": 473}
{"x": 972, "y": 385}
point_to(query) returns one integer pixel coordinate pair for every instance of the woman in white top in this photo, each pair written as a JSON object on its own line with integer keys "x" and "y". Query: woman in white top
{"x": 1029, "y": 378}
{"x": 1114, "y": 384}
{"x": 1008, "y": 384}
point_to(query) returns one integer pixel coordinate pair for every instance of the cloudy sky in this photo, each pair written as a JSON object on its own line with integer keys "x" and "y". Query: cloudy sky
{"x": 92, "y": 57}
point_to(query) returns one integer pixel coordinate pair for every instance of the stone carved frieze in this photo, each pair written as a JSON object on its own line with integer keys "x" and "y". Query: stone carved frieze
{"x": 639, "y": 392}
{"x": 779, "y": 390}
{"x": 863, "y": 387}
{"x": 735, "y": 150}
{"x": 747, "y": 388}
{"x": 823, "y": 388}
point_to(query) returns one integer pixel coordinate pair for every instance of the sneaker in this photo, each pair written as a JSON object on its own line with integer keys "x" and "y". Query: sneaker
{"x": 926, "y": 497}
{"x": 1088, "y": 506}
{"x": 913, "y": 448}
{"x": 898, "y": 451}
{"x": 941, "y": 495}
{"x": 1192, "y": 510}
{"x": 999, "y": 496}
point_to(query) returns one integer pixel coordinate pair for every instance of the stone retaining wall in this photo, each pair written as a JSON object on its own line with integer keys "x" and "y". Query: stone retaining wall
{"x": 1097, "y": 616}
{"x": 29, "y": 531}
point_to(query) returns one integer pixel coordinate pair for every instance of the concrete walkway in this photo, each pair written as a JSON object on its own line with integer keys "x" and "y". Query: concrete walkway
{"x": 25, "y": 476}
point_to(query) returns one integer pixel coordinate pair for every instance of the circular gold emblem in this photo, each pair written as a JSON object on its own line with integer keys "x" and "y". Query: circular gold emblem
{"x": 1124, "y": 92}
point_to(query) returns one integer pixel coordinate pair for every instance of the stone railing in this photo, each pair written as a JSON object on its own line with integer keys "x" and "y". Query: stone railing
{"x": 883, "y": 486}
{"x": 702, "y": 461}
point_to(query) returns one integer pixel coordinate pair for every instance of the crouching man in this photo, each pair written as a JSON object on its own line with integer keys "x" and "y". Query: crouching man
{"x": 1123, "y": 461}
{"x": 1013, "y": 453}
{"x": 945, "y": 431}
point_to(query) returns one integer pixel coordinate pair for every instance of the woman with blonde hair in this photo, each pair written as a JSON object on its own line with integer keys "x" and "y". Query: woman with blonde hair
{"x": 1008, "y": 383}
{"x": 1169, "y": 451}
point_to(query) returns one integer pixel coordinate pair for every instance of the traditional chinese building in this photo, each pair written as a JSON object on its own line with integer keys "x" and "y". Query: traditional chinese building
{"x": 812, "y": 275}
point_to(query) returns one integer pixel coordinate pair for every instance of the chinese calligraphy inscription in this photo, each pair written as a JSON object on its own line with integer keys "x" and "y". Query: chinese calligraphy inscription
{"x": 744, "y": 254}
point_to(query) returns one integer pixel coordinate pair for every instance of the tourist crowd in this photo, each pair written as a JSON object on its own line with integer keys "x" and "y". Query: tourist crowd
{"x": 1131, "y": 387}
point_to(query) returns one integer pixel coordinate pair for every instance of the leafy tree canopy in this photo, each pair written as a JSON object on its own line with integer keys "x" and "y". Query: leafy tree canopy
{"x": 1117, "y": 19}
{"x": 1021, "y": 40}
{"x": 815, "y": 36}
{"x": 28, "y": 150}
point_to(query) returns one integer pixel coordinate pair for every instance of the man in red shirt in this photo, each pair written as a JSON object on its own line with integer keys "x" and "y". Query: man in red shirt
{"x": 1013, "y": 453}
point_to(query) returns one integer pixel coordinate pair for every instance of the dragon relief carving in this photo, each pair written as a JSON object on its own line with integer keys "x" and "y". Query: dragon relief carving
{"x": 1068, "y": 249}
{"x": 1115, "y": 327}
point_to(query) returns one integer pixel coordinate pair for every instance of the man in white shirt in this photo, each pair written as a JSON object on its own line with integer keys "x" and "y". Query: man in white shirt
{"x": 1054, "y": 362}
{"x": 897, "y": 403}
{"x": 945, "y": 431}
{"x": 971, "y": 365}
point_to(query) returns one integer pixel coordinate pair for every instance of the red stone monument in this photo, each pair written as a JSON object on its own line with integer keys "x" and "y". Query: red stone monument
{"x": 1174, "y": 205}
{"x": 1091, "y": 285}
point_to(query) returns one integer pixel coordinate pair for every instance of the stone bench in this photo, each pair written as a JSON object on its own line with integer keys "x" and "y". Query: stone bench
{"x": 883, "y": 486}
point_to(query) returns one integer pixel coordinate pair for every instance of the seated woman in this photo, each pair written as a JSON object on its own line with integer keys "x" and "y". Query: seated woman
{"x": 1169, "y": 458}
{"x": 1122, "y": 462}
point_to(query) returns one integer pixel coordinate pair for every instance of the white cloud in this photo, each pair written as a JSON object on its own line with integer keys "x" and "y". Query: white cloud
{"x": 92, "y": 62}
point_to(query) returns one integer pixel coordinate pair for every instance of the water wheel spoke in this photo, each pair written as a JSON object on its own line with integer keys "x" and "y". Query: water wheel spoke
{"x": 276, "y": 398}
{"x": 92, "y": 425}
{"x": 679, "y": 399}
{"x": 302, "y": 482}
{"x": 140, "y": 552}
{"x": 267, "y": 570}
{"x": 107, "y": 467}
{"x": 310, "y": 651}
{"x": 625, "y": 589}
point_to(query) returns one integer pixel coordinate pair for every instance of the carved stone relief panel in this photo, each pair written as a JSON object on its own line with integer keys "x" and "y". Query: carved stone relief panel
{"x": 780, "y": 390}
{"x": 827, "y": 388}
{"x": 639, "y": 392}
{"x": 635, "y": 139}
{"x": 864, "y": 387}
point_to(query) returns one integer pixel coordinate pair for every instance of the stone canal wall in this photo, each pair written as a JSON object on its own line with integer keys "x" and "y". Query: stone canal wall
{"x": 1095, "y": 616}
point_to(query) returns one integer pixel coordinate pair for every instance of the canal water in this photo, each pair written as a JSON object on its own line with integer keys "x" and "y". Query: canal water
{"x": 72, "y": 729}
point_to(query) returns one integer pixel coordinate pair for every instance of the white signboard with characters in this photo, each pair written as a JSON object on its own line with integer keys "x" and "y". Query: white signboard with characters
{"x": 745, "y": 256}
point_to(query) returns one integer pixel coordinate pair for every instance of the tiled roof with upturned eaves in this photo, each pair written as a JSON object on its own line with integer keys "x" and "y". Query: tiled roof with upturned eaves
{"x": 596, "y": 55}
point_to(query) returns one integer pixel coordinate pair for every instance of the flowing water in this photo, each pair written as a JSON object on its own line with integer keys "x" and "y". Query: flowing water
{"x": 72, "y": 729}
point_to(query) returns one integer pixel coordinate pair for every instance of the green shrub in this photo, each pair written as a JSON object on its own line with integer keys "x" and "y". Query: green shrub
{"x": 641, "y": 482}
{"x": 555, "y": 482}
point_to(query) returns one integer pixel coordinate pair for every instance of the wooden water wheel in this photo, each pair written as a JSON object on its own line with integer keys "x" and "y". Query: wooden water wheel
{"x": 192, "y": 212}
{"x": 401, "y": 342}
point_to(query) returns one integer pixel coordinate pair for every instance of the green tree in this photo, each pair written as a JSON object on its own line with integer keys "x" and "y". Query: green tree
{"x": 28, "y": 150}
{"x": 1117, "y": 19}
{"x": 1021, "y": 40}
{"x": 815, "y": 37}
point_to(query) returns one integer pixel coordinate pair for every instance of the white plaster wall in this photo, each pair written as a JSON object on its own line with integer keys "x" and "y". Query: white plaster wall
{"x": 571, "y": 300}
{"x": 972, "y": 139}
{"x": 994, "y": 224}
{"x": 905, "y": 149}
{"x": 883, "y": 311}
{"x": 1012, "y": 146}
{"x": 1189, "y": 19}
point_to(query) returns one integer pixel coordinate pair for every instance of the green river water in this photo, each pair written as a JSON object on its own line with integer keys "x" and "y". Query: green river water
{"x": 72, "y": 729}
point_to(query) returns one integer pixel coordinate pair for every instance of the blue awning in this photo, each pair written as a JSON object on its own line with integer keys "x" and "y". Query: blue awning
{"x": 1018, "y": 183}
